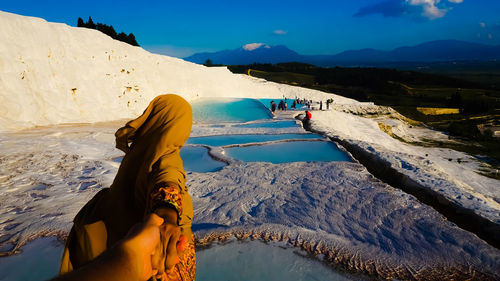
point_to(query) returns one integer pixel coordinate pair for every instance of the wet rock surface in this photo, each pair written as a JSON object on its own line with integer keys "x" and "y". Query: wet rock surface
{"x": 341, "y": 211}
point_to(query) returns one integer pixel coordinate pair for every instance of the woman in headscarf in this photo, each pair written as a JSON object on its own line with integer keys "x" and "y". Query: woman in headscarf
{"x": 150, "y": 179}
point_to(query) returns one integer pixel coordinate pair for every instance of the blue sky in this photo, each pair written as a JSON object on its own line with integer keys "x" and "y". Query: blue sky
{"x": 180, "y": 28}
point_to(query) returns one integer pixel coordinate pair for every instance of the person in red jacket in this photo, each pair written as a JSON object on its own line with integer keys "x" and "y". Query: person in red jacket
{"x": 308, "y": 115}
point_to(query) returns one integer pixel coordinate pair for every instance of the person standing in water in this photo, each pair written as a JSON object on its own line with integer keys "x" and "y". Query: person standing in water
{"x": 151, "y": 179}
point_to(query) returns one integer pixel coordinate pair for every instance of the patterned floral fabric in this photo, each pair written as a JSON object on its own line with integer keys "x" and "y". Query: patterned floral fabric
{"x": 185, "y": 269}
{"x": 168, "y": 195}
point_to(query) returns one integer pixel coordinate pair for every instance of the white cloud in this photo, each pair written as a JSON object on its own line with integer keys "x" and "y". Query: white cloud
{"x": 280, "y": 32}
{"x": 252, "y": 46}
{"x": 431, "y": 10}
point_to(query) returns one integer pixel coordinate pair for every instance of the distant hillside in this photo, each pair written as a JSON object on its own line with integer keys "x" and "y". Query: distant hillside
{"x": 247, "y": 55}
{"x": 434, "y": 51}
{"x": 443, "y": 50}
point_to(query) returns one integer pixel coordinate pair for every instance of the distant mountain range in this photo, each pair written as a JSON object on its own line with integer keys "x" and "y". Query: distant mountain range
{"x": 433, "y": 51}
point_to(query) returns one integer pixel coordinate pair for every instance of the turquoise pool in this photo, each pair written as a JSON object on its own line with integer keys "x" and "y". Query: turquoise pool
{"x": 277, "y": 125}
{"x": 39, "y": 260}
{"x": 225, "y": 110}
{"x": 254, "y": 260}
{"x": 194, "y": 159}
{"x": 223, "y": 140}
{"x": 197, "y": 159}
{"x": 285, "y": 152}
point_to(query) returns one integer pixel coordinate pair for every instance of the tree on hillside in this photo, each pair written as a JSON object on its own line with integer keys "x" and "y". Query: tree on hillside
{"x": 90, "y": 23}
{"x": 208, "y": 62}
{"x": 80, "y": 22}
{"x": 108, "y": 30}
{"x": 131, "y": 40}
{"x": 122, "y": 37}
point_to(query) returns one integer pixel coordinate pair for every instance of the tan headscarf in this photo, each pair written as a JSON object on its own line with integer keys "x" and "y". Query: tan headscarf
{"x": 151, "y": 143}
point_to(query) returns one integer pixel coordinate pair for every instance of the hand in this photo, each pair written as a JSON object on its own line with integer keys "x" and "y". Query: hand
{"x": 172, "y": 242}
{"x": 142, "y": 245}
{"x": 130, "y": 259}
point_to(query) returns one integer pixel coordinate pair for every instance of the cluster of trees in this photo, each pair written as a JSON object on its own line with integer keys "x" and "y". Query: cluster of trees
{"x": 108, "y": 30}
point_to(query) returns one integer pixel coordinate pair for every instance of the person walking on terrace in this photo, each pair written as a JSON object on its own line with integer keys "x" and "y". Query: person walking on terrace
{"x": 273, "y": 107}
{"x": 151, "y": 179}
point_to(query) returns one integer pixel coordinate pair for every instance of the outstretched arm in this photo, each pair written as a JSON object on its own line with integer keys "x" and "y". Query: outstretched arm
{"x": 134, "y": 258}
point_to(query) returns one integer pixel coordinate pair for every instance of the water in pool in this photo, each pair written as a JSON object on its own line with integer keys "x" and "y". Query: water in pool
{"x": 39, "y": 260}
{"x": 197, "y": 159}
{"x": 279, "y": 124}
{"x": 224, "y": 110}
{"x": 194, "y": 159}
{"x": 223, "y": 140}
{"x": 252, "y": 260}
{"x": 289, "y": 152}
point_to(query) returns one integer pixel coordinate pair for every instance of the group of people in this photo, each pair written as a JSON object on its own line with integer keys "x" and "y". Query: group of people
{"x": 281, "y": 106}
{"x": 308, "y": 103}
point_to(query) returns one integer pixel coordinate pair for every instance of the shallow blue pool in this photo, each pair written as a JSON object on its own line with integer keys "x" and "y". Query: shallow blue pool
{"x": 223, "y": 140}
{"x": 225, "y": 110}
{"x": 254, "y": 260}
{"x": 197, "y": 159}
{"x": 194, "y": 159}
{"x": 279, "y": 124}
{"x": 296, "y": 151}
{"x": 40, "y": 260}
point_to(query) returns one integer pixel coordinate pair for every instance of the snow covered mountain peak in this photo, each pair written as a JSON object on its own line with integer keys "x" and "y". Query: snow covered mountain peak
{"x": 254, "y": 46}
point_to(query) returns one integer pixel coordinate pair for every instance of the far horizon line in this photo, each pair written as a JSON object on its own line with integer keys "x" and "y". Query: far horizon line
{"x": 157, "y": 49}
